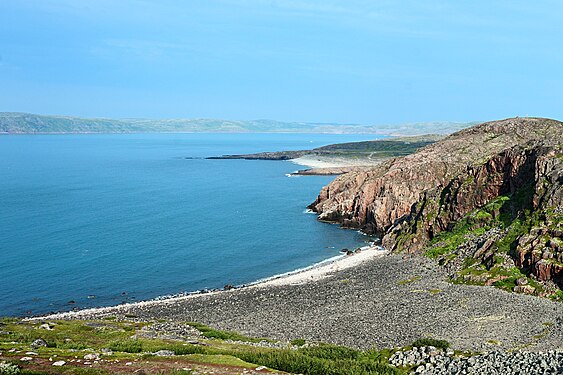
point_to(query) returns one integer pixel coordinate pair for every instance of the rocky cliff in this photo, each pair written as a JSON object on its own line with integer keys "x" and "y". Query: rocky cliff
{"x": 483, "y": 201}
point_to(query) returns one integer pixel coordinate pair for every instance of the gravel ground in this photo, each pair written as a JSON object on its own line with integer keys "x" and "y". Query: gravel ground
{"x": 385, "y": 302}
{"x": 432, "y": 361}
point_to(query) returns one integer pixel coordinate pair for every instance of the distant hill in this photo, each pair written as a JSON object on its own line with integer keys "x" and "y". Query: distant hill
{"x": 27, "y": 123}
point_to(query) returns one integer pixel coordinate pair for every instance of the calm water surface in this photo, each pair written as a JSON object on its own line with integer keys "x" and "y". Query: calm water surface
{"x": 104, "y": 219}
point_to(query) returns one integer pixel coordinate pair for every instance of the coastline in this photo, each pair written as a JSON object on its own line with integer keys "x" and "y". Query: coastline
{"x": 322, "y": 269}
{"x": 313, "y": 273}
{"x": 331, "y": 165}
{"x": 378, "y": 301}
{"x": 317, "y": 161}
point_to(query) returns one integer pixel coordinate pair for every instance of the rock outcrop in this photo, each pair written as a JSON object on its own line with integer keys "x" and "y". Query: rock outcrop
{"x": 512, "y": 167}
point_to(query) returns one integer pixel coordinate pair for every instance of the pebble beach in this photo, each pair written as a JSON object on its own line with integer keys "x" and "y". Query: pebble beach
{"x": 369, "y": 299}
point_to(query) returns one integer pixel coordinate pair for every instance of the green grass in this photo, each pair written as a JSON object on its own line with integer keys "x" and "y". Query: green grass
{"x": 223, "y": 335}
{"x": 297, "y": 342}
{"x": 299, "y": 362}
{"x": 71, "y": 334}
{"x": 448, "y": 242}
{"x": 318, "y": 359}
{"x": 510, "y": 214}
{"x": 218, "y": 359}
{"x": 127, "y": 346}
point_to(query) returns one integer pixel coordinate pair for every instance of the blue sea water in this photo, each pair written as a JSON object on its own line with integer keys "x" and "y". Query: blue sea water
{"x": 105, "y": 219}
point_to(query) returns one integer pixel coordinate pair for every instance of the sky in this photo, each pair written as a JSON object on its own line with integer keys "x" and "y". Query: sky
{"x": 349, "y": 61}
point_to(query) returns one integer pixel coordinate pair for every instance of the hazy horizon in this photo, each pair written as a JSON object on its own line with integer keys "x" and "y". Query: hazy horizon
{"x": 354, "y": 62}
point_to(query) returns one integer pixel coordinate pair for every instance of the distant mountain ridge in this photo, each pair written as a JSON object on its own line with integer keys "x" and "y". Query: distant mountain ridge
{"x": 27, "y": 123}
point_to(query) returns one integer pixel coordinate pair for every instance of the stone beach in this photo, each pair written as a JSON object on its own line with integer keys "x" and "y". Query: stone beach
{"x": 382, "y": 302}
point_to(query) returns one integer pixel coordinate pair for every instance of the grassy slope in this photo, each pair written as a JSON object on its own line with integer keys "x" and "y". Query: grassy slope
{"x": 72, "y": 340}
{"x": 369, "y": 150}
{"x": 509, "y": 214}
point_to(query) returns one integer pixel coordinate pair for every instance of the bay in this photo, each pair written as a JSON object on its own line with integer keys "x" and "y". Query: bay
{"x": 104, "y": 219}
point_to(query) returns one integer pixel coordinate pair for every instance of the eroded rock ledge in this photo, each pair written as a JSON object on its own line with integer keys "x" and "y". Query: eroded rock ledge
{"x": 483, "y": 201}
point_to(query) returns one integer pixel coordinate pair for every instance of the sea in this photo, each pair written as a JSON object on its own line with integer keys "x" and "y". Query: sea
{"x": 97, "y": 220}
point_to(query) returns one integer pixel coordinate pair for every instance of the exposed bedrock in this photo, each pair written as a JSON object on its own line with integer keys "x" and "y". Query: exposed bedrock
{"x": 409, "y": 201}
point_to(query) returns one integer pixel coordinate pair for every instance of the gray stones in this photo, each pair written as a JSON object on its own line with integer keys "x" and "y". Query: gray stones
{"x": 527, "y": 289}
{"x": 417, "y": 356}
{"x": 550, "y": 362}
{"x": 164, "y": 353}
{"x": 38, "y": 343}
{"x": 398, "y": 305}
{"x": 59, "y": 363}
{"x": 522, "y": 281}
{"x": 46, "y": 326}
{"x": 92, "y": 357}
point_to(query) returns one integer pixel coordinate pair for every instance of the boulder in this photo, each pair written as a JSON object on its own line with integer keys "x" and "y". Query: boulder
{"x": 526, "y": 289}
{"x": 38, "y": 343}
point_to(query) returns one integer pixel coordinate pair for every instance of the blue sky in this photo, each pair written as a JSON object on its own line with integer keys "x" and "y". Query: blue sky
{"x": 354, "y": 61}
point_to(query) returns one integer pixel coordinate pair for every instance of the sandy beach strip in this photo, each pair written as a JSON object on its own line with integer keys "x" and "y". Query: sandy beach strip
{"x": 315, "y": 161}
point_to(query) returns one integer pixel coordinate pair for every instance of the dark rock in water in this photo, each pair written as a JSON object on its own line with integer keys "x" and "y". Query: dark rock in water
{"x": 38, "y": 343}
{"x": 71, "y": 302}
{"x": 345, "y": 250}
{"x": 228, "y": 287}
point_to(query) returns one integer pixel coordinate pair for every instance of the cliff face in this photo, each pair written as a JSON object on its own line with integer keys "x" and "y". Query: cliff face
{"x": 515, "y": 200}
{"x": 372, "y": 200}
{"x": 483, "y": 201}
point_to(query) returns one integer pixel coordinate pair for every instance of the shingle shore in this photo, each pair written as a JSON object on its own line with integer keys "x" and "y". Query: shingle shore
{"x": 388, "y": 301}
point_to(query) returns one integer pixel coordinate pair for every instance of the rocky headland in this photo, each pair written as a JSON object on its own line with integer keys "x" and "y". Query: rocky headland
{"x": 485, "y": 201}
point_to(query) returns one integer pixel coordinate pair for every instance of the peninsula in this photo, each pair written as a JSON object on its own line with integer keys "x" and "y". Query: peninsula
{"x": 345, "y": 157}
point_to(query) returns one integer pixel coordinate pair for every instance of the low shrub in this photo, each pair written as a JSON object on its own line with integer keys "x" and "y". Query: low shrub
{"x": 127, "y": 346}
{"x": 9, "y": 369}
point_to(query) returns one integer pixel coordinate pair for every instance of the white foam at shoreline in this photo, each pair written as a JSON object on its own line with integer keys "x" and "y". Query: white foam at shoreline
{"x": 312, "y": 273}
